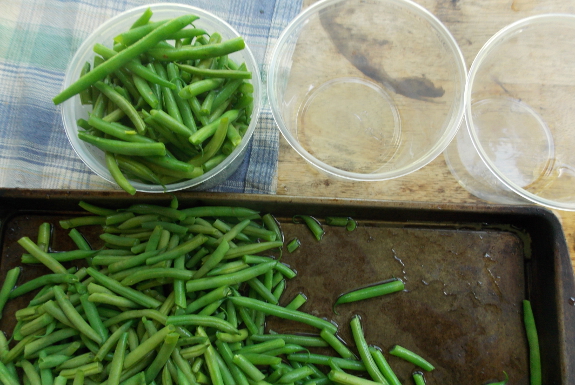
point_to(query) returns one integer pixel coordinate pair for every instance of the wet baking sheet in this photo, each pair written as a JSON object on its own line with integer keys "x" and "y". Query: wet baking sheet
{"x": 465, "y": 271}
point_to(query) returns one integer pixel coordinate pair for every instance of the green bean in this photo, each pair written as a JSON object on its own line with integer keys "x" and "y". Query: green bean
{"x": 296, "y": 375}
{"x": 62, "y": 256}
{"x": 130, "y": 314}
{"x": 143, "y": 19}
{"x": 123, "y": 291}
{"x": 44, "y": 234}
{"x": 38, "y": 344}
{"x": 36, "y": 324}
{"x": 363, "y": 351}
{"x": 219, "y": 211}
{"x": 313, "y": 224}
{"x": 133, "y": 261}
{"x": 383, "y": 366}
{"x": 343, "y": 378}
{"x": 7, "y": 286}
{"x": 412, "y": 357}
{"x": 291, "y": 339}
{"x": 117, "y": 175}
{"x": 145, "y": 91}
{"x": 112, "y": 340}
{"x": 209, "y": 130}
{"x": 74, "y": 317}
{"x": 124, "y": 148}
{"x": 159, "y": 272}
{"x": 281, "y": 312}
{"x": 336, "y": 344}
{"x": 181, "y": 249}
{"x": 227, "y": 356}
{"x": 418, "y": 378}
{"x": 263, "y": 291}
{"x": 229, "y": 279}
{"x": 252, "y": 248}
{"x": 204, "y": 300}
{"x": 30, "y": 372}
{"x": 200, "y": 320}
{"x": 79, "y": 378}
{"x": 248, "y": 368}
{"x": 88, "y": 369}
{"x": 123, "y": 104}
{"x": 293, "y": 245}
{"x": 112, "y": 299}
{"x": 533, "y": 342}
{"x": 200, "y": 52}
{"x": 212, "y": 260}
{"x": 215, "y": 73}
{"x": 101, "y": 211}
{"x": 147, "y": 346}
{"x": 112, "y": 64}
{"x": 371, "y": 292}
{"x": 319, "y": 359}
{"x": 228, "y": 268}
{"x": 40, "y": 255}
{"x": 51, "y": 361}
{"x": 263, "y": 347}
{"x": 137, "y": 169}
{"x": 214, "y": 369}
{"x": 163, "y": 355}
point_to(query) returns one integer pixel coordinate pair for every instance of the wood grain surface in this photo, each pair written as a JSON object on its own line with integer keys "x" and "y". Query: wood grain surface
{"x": 472, "y": 23}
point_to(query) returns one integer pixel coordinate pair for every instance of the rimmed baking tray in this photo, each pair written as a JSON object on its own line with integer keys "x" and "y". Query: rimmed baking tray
{"x": 466, "y": 270}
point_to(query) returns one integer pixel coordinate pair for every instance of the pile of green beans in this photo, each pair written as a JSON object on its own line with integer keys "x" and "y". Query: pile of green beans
{"x": 178, "y": 296}
{"x": 167, "y": 103}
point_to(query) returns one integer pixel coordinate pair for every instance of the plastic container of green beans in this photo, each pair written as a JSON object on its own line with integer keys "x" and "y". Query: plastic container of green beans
{"x": 73, "y": 109}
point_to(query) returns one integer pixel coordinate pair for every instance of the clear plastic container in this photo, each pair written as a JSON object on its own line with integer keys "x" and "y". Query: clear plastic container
{"x": 72, "y": 109}
{"x": 519, "y": 140}
{"x": 367, "y": 90}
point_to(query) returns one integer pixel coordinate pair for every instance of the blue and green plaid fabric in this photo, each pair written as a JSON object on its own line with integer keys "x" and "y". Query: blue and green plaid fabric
{"x": 37, "y": 40}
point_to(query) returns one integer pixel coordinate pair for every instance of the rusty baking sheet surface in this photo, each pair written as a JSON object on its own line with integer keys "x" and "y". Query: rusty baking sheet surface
{"x": 466, "y": 272}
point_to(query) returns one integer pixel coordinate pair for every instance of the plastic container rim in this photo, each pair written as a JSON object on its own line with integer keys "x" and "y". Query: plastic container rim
{"x": 423, "y": 160}
{"x": 499, "y": 37}
{"x": 86, "y": 45}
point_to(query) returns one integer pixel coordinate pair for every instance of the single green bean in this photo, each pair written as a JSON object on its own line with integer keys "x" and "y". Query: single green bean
{"x": 215, "y": 73}
{"x": 199, "y": 52}
{"x": 319, "y": 359}
{"x": 112, "y": 299}
{"x": 7, "y": 286}
{"x": 343, "y": 378}
{"x": 371, "y": 292}
{"x": 313, "y": 224}
{"x": 154, "y": 273}
{"x": 336, "y": 344}
{"x": 124, "y": 148}
{"x": 296, "y": 375}
{"x": 229, "y": 279}
{"x": 412, "y": 357}
{"x": 38, "y": 344}
{"x": 209, "y": 130}
{"x": 206, "y": 299}
{"x": 62, "y": 256}
{"x": 363, "y": 351}
{"x": 383, "y": 366}
{"x": 418, "y": 378}
{"x": 252, "y": 248}
{"x": 201, "y": 320}
{"x": 181, "y": 249}
{"x": 123, "y": 291}
{"x": 30, "y": 372}
{"x": 117, "y": 175}
{"x": 43, "y": 257}
{"x": 533, "y": 342}
{"x": 101, "y": 211}
{"x": 127, "y": 315}
{"x": 302, "y": 340}
{"x": 213, "y": 259}
{"x": 248, "y": 368}
{"x": 293, "y": 245}
{"x": 88, "y": 369}
{"x": 281, "y": 312}
{"x": 262, "y": 290}
{"x": 219, "y": 211}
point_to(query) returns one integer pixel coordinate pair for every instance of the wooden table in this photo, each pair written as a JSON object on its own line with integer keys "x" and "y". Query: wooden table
{"x": 472, "y": 23}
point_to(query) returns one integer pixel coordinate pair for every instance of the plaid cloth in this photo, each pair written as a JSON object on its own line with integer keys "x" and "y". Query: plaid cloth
{"x": 37, "y": 40}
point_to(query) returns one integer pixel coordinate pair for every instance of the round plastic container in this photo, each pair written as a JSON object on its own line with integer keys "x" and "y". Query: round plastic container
{"x": 520, "y": 138}
{"x": 72, "y": 109}
{"x": 367, "y": 90}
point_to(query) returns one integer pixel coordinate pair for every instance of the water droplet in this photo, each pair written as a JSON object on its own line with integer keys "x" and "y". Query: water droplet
{"x": 572, "y": 301}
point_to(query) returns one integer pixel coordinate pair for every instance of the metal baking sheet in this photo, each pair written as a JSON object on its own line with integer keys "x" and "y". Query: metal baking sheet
{"x": 466, "y": 270}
